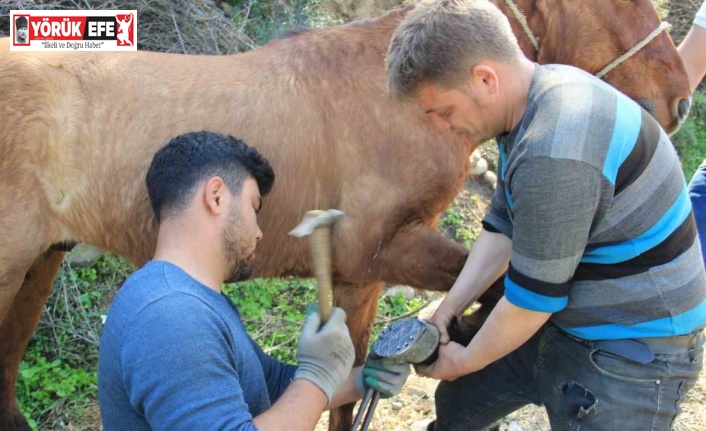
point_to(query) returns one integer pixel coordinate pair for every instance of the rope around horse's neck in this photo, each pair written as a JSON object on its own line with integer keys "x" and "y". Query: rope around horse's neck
{"x": 613, "y": 64}
{"x": 520, "y": 17}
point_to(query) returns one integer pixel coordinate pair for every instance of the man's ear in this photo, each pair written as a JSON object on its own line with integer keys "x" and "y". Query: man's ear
{"x": 214, "y": 194}
{"x": 484, "y": 79}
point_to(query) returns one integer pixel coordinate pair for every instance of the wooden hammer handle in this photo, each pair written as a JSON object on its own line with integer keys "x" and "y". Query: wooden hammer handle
{"x": 320, "y": 242}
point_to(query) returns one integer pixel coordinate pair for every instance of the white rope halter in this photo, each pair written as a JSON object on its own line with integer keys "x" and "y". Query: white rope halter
{"x": 613, "y": 64}
{"x": 519, "y": 16}
{"x": 641, "y": 44}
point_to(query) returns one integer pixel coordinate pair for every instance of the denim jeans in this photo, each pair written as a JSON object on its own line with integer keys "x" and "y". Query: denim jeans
{"x": 582, "y": 387}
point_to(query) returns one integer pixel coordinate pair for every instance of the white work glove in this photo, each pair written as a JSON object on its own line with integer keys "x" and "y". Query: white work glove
{"x": 325, "y": 355}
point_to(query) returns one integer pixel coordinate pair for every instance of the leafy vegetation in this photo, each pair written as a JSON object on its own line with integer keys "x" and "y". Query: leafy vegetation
{"x": 57, "y": 376}
{"x": 690, "y": 141}
{"x": 262, "y": 21}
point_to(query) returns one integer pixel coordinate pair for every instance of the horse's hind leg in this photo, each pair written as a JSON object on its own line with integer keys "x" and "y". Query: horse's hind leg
{"x": 17, "y": 327}
{"x": 360, "y": 303}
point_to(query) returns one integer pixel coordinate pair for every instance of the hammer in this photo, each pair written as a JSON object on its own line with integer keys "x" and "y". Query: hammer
{"x": 316, "y": 224}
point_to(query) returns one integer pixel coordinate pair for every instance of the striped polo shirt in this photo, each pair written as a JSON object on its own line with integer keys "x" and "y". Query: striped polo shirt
{"x": 592, "y": 194}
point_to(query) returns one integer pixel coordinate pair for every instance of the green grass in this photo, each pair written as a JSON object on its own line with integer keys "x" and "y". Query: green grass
{"x": 690, "y": 141}
{"x": 458, "y": 226}
{"x": 273, "y": 311}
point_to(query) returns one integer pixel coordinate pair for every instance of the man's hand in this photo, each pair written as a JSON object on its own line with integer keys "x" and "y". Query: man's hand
{"x": 385, "y": 375}
{"x": 506, "y": 329}
{"x": 325, "y": 357}
{"x": 442, "y": 319}
{"x": 452, "y": 363}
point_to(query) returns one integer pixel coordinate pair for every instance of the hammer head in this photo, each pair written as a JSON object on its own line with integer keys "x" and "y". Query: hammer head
{"x": 314, "y": 219}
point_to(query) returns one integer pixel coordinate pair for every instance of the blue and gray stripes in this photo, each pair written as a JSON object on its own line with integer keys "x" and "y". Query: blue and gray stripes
{"x": 592, "y": 194}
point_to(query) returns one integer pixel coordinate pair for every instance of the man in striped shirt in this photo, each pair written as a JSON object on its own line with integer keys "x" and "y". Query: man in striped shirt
{"x": 605, "y": 292}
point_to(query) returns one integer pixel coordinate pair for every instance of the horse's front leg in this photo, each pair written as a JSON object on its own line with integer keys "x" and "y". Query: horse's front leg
{"x": 360, "y": 303}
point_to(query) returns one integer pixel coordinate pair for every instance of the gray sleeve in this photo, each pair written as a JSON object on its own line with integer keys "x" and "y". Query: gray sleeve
{"x": 497, "y": 218}
{"x": 555, "y": 203}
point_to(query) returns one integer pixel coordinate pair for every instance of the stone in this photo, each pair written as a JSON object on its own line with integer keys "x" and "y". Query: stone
{"x": 83, "y": 256}
{"x": 396, "y": 406}
{"x": 514, "y": 427}
{"x": 474, "y": 157}
{"x": 480, "y": 168}
{"x": 490, "y": 178}
{"x": 414, "y": 391}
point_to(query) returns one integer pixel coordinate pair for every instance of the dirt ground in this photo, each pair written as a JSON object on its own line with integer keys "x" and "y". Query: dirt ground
{"x": 414, "y": 407}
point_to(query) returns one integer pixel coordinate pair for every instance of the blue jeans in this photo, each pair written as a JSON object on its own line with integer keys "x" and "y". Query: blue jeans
{"x": 582, "y": 387}
{"x": 697, "y": 194}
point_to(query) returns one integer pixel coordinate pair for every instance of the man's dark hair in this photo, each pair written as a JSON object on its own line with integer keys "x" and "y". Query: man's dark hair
{"x": 187, "y": 160}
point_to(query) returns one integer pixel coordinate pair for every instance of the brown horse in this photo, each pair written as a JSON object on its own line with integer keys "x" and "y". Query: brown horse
{"x": 80, "y": 130}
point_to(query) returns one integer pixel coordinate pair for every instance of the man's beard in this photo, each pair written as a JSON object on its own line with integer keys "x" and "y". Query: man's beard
{"x": 241, "y": 264}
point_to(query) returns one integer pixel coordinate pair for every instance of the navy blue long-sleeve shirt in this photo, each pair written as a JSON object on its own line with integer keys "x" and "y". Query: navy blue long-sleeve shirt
{"x": 175, "y": 356}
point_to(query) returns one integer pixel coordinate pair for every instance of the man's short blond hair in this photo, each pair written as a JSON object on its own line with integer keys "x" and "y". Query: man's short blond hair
{"x": 440, "y": 41}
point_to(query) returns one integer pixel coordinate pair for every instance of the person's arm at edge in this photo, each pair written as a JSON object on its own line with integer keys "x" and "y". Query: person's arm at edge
{"x": 693, "y": 49}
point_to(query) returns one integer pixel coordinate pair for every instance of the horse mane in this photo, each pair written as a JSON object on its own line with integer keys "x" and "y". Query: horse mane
{"x": 292, "y": 32}
{"x": 383, "y": 21}
{"x": 394, "y": 15}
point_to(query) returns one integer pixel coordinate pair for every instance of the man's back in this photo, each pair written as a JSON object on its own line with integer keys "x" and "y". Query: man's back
{"x": 175, "y": 355}
{"x": 609, "y": 226}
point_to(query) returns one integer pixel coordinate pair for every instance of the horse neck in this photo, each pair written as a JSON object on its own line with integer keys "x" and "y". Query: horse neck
{"x": 332, "y": 49}
{"x": 377, "y": 32}
{"x": 535, "y": 22}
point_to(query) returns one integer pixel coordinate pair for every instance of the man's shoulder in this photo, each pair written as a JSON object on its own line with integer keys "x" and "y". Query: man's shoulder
{"x": 571, "y": 115}
{"x": 567, "y": 87}
{"x": 161, "y": 290}
{"x": 143, "y": 287}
